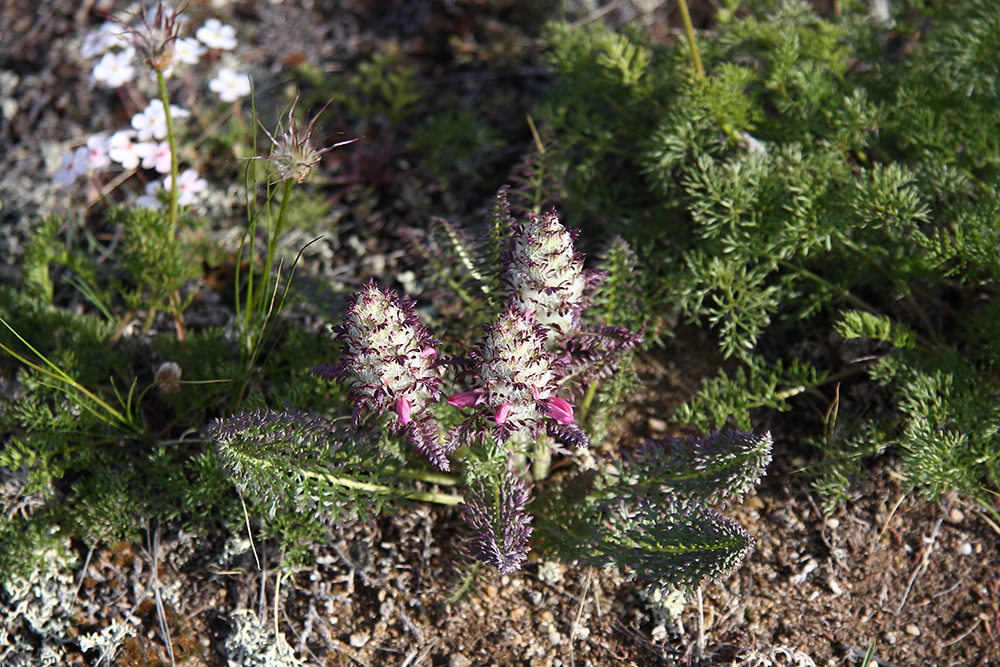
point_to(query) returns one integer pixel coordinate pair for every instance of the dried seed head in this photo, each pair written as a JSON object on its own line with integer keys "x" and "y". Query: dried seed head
{"x": 153, "y": 34}
{"x": 169, "y": 377}
{"x": 294, "y": 151}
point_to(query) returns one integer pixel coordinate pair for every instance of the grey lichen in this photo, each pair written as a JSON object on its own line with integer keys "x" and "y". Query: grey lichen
{"x": 38, "y": 604}
{"x": 252, "y": 643}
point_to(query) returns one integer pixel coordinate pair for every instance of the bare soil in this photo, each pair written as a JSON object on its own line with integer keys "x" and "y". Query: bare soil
{"x": 919, "y": 579}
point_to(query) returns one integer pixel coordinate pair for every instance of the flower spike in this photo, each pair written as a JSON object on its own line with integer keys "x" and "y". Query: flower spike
{"x": 387, "y": 369}
{"x": 544, "y": 276}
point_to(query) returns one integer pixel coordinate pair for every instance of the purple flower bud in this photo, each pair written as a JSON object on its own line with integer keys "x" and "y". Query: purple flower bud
{"x": 403, "y": 410}
{"x": 502, "y": 413}
{"x": 558, "y": 409}
{"x": 463, "y": 399}
{"x": 544, "y": 276}
{"x": 510, "y": 370}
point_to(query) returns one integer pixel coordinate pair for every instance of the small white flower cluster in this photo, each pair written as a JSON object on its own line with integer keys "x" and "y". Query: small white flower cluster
{"x": 145, "y": 146}
{"x": 116, "y": 65}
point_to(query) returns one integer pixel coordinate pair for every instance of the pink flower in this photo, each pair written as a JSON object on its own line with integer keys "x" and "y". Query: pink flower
{"x": 97, "y": 152}
{"x": 403, "y": 410}
{"x": 558, "y": 409}
{"x": 502, "y": 413}
{"x": 188, "y": 186}
{"x": 74, "y": 164}
{"x": 463, "y": 399}
{"x": 155, "y": 156}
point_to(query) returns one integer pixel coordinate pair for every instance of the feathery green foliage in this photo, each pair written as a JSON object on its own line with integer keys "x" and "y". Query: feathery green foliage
{"x": 823, "y": 166}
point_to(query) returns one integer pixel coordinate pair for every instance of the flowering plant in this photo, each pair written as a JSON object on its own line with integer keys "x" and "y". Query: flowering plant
{"x": 509, "y": 408}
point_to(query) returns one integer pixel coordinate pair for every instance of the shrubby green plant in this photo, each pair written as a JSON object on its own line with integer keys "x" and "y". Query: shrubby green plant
{"x": 810, "y": 172}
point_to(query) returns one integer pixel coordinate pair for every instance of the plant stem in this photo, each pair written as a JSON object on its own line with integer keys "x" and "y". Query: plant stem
{"x": 430, "y": 476}
{"x": 161, "y": 82}
{"x": 279, "y": 225}
{"x": 588, "y": 400}
{"x": 426, "y": 496}
{"x": 542, "y": 460}
{"x": 689, "y": 31}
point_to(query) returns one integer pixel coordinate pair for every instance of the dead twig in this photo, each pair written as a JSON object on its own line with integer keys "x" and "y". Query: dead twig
{"x": 579, "y": 615}
{"x": 925, "y": 558}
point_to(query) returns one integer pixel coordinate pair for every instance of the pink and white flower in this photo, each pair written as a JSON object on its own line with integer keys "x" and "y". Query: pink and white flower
{"x": 189, "y": 185}
{"x": 216, "y": 35}
{"x": 97, "y": 153}
{"x": 230, "y": 85}
{"x": 74, "y": 164}
{"x": 155, "y": 155}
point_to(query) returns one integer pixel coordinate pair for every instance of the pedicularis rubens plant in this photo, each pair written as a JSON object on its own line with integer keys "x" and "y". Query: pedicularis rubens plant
{"x": 492, "y": 413}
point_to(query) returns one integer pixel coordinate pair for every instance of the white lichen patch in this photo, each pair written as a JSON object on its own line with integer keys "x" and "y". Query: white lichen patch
{"x": 252, "y": 643}
{"x": 106, "y": 641}
{"x": 39, "y": 604}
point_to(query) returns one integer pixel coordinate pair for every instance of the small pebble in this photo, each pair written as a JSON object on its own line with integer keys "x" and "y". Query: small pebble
{"x": 956, "y": 515}
{"x": 548, "y": 616}
{"x": 965, "y": 549}
{"x": 913, "y": 630}
{"x": 890, "y": 638}
{"x": 358, "y": 639}
{"x": 517, "y": 613}
{"x": 555, "y": 638}
{"x": 832, "y": 523}
{"x": 491, "y": 591}
{"x": 657, "y": 425}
